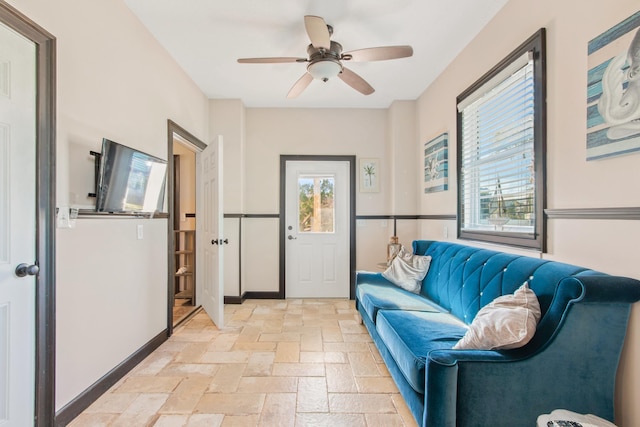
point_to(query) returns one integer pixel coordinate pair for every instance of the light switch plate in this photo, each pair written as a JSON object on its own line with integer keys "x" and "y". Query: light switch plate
{"x": 63, "y": 217}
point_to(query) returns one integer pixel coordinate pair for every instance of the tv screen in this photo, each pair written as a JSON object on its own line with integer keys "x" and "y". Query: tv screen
{"x": 129, "y": 180}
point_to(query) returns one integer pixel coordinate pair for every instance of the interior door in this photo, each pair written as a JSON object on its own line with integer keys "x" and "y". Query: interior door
{"x": 17, "y": 228}
{"x": 209, "y": 224}
{"x": 317, "y": 229}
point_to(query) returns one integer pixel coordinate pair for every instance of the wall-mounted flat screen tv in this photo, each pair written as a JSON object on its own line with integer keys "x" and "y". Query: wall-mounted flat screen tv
{"x": 129, "y": 180}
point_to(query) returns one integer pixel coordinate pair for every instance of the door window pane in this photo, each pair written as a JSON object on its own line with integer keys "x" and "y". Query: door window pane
{"x": 316, "y": 212}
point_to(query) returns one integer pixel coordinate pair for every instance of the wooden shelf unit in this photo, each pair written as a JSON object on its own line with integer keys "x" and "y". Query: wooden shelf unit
{"x": 185, "y": 256}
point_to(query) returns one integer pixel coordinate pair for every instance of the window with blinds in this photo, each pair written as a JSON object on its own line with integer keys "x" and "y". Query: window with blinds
{"x": 501, "y": 151}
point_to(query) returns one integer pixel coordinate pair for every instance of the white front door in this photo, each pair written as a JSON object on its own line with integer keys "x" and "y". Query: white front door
{"x": 317, "y": 229}
{"x": 209, "y": 214}
{"x": 17, "y": 228}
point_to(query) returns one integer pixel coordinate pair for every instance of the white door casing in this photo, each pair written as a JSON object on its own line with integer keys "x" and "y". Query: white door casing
{"x": 317, "y": 261}
{"x": 209, "y": 224}
{"x": 17, "y": 227}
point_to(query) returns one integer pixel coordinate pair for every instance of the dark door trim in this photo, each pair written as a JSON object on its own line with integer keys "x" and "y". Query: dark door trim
{"x": 174, "y": 128}
{"x": 45, "y": 206}
{"x": 352, "y": 214}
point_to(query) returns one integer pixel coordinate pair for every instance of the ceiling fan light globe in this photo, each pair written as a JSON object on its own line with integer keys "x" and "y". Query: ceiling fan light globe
{"x": 324, "y": 69}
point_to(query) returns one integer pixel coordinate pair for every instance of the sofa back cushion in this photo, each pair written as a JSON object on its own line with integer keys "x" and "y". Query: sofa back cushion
{"x": 463, "y": 279}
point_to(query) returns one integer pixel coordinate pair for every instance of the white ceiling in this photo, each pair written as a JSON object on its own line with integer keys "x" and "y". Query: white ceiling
{"x": 207, "y": 36}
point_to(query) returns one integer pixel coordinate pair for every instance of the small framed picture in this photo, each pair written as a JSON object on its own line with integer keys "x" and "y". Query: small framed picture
{"x": 436, "y": 164}
{"x": 369, "y": 175}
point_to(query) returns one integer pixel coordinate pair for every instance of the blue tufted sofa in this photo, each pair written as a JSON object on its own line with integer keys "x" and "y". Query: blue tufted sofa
{"x": 570, "y": 363}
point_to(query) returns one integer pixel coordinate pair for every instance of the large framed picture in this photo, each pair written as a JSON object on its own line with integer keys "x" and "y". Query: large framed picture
{"x": 613, "y": 91}
{"x": 369, "y": 175}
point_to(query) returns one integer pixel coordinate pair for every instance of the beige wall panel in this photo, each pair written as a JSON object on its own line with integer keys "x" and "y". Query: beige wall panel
{"x": 260, "y": 255}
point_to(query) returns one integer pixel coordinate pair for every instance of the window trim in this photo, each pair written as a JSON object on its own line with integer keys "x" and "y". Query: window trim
{"x": 537, "y": 44}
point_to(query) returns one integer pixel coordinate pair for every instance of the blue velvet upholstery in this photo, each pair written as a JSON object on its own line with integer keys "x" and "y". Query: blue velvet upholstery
{"x": 570, "y": 363}
{"x": 376, "y": 296}
{"x": 411, "y": 335}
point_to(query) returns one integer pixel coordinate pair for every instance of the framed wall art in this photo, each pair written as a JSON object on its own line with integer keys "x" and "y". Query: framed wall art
{"x": 369, "y": 175}
{"x": 436, "y": 164}
{"x": 613, "y": 91}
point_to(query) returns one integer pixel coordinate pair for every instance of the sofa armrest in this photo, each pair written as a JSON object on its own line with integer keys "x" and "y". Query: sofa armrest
{"x": 441, "y": 391}
{"x": 610, "y": 289}
{"x": 589, "y": 288}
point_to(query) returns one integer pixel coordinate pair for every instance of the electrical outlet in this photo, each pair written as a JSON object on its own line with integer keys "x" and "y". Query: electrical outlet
{"x": 445, "y": 232}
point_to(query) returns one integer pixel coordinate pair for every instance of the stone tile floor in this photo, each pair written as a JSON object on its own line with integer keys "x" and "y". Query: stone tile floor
{"x": 182, "y": 309}
{"x": 275, "y": 363}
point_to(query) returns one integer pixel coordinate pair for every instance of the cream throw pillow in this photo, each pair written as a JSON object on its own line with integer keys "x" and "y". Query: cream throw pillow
{"x": 507, "y": 322}
{"x": 407, "y": 270}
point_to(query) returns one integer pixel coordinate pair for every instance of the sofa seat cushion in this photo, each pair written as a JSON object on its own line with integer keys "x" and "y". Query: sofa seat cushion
{"x": 378, "y": 296}
{"x": 411, "y": 335}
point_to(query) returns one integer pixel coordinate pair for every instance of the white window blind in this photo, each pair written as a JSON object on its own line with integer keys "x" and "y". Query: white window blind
{"x": 497, "y": 170}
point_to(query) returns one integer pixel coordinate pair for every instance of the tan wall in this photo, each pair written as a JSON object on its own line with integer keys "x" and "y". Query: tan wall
{"x": 254, "y": 139}
{"x": 114, "y": 81}
{"x": 403, "y": 185}
{"x": 187, "y": 185}
{"x": 227, "y": 118}
{"x": 272, "y": 132}
{"x": 366, "y": 133}
{"x": 572, "y": 182}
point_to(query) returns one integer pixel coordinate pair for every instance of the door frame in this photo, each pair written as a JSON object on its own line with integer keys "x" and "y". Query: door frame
{"x": 174, "y": 128}
{"x": 351, "y": 215}
{"x": 45, "y": 209}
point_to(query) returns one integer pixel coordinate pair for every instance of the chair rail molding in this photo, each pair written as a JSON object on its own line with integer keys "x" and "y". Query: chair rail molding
{"x": 625, "y": 213}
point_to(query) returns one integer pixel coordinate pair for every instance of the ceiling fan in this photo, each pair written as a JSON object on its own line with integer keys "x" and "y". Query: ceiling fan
{"x": 326, "y": 57}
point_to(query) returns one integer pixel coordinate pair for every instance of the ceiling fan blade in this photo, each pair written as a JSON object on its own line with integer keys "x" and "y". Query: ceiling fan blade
{"x": 318, "y": 32}
{"x": 300, "y": 85}
{"x": 355, "y": 81}
{"x": 274, "y": 60}
{"x": 381, "y": 53}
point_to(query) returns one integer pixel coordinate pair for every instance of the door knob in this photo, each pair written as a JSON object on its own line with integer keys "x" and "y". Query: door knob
{"x": 25, "y": 269}
{"x": 214, "y": 242}
{"x": 225, "y": 241}
{"x": 291, "y": 237}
